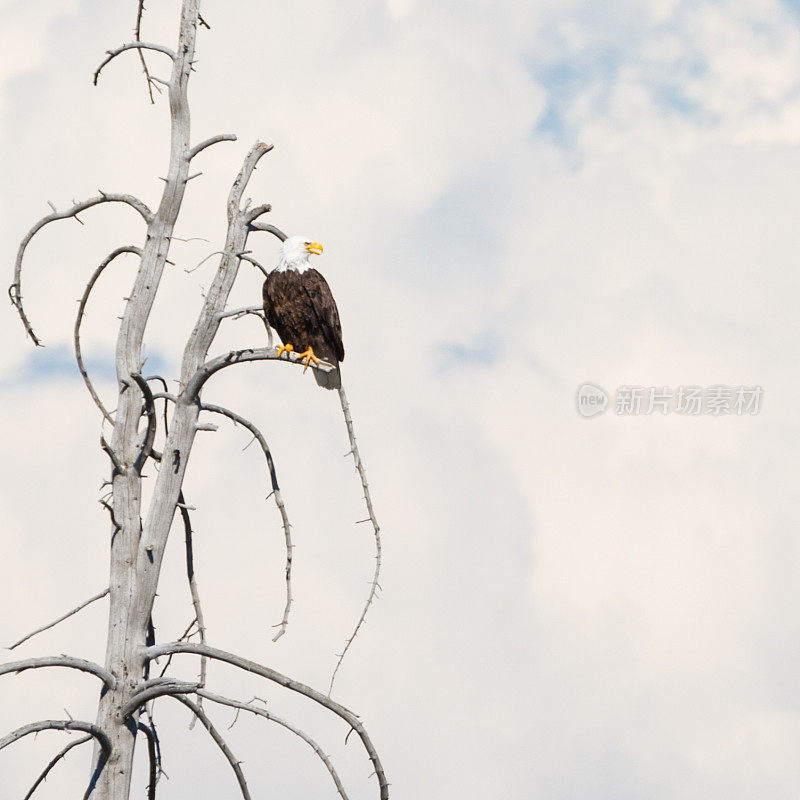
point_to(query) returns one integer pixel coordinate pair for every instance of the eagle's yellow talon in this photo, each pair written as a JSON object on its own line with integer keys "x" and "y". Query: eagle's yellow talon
{"x": 307, "y": 357}
{"x": 286, "y": 348}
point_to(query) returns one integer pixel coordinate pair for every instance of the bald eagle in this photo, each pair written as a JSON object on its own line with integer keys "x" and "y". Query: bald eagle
{"x": 298, "y": 303}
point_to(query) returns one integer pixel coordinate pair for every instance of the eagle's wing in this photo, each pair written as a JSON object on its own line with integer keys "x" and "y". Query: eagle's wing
{"x": 325, "y": 308}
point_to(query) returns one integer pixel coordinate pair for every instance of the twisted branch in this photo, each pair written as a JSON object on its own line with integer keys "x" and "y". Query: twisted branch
{"x": 253, "y": 709}
{"x": 75, "y": 610}
{"x": 15, "y": 290}
{"x": 55, "y": 761}
{"x": 295, "y": 686}
{"x": 77, "y": 330}
{"x": 61, "y": 661}
{"x": 376, "y": 529}
{"x": 276, "y": 493}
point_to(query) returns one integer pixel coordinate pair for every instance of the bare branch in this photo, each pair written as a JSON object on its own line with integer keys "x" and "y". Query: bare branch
{"x": 58, "y": 725}
{"x": 77, "y": 330}
{"x": 61, "y": 661}
{"x": 153, "y": 759}
{"x": 195, "y": 592}
{"x": 255, "y": 263}
{"x": 55, "y": 761}
{"x": 195, "y": 384}
{"x": 118, "y": 468}
{"x": 158, "y": 687}
{"x": 150, "y": 411}
{"x": 376, "y": 530}
{"x": 221, "y": 743}
{"x": 263, "y": 226}
{"x": 256, "y": 311}
{"x": 75, "y": 610}
{"x": 295, "y": 686}
{"x": 138, "y": 37}
{"x": 255, "y": 213}
{"x": 276, "y": 492}
{"x": 137, "y": 45}
{"x": 198, "y": 148}
{"x": 253, "y": 709}
{"x": 15, "y": 290}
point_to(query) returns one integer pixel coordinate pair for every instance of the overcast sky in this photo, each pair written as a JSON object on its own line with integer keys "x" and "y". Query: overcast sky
{"x": 514, "y": 199}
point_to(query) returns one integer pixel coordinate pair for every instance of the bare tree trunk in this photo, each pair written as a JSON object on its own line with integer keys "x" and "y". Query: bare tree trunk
{"x": 136, "y": 553}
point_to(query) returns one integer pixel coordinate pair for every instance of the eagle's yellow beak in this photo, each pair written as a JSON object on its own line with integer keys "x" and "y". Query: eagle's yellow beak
{"x": 315, "y": 248}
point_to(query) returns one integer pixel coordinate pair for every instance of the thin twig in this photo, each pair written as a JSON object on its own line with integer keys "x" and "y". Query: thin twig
{"x": 61, "y": 661}
{"x": 276, "y": 492}
{"x": 55, "y": 761}
{"x": 75, "y": 610}
{"x": 138, "y": 36}
{"x": 253, "y": 709}
{"x": 376, "y": 529}
{"x": 251, "y": 260}
{"x": 221, "y": 743}
{"x": 295, "y": 686}
{"x": 235, "y": 313}
{"x": 79, "y": 319}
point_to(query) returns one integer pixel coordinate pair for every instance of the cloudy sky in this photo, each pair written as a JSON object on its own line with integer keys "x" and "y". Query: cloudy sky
{"x": 514, "y": 198}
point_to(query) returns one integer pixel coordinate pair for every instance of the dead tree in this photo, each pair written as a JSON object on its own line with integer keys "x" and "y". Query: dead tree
{"x": 139, "y": 534}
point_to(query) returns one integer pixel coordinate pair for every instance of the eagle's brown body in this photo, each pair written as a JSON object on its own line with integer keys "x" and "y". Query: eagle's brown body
{"x": 301, "y": 308}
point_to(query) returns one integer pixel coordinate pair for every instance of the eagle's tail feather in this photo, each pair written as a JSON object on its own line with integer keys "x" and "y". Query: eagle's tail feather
{"x": 329, "y": 380}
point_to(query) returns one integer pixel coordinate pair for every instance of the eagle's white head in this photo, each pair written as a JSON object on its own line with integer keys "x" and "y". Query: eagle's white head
{"x": 296, "y": 251}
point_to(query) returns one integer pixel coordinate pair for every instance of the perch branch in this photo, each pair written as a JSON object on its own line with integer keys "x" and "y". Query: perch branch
{"x": 61, "y": 661}
{"x": 15, "y": 290}
{"x": 196, "y": 382}
{"x": 295, "y": 686}
{"x": 276, "y": 492}
{"x": 253, "y": 709}
{"x": 75, "y": 610}
{"x": 58, "y": 725}
{"x": 55, "y": 761}
{"x": 198, "y": 148}
{"x": 112, "y": 54}
{"x": 221, "y": 743}
{"x": 77, "y": 330}
{"x": 376, "y": 529}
